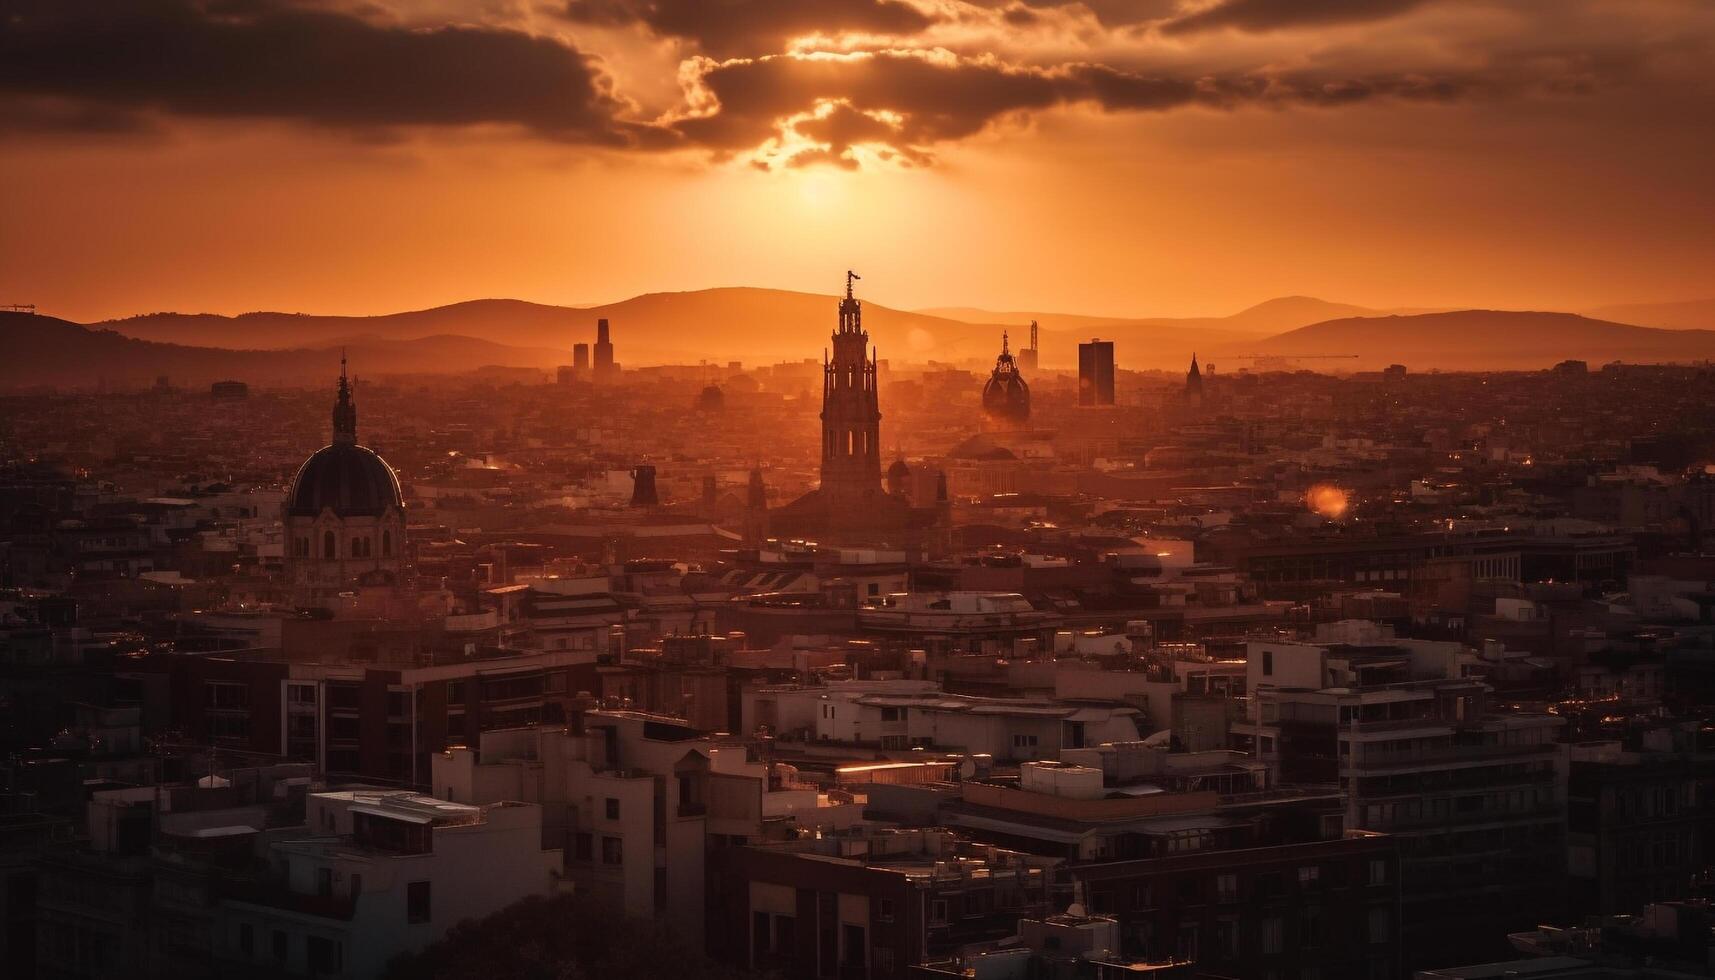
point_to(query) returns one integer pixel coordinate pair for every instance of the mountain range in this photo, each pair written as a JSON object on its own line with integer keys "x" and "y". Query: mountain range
{"x": 1491, "y": 340}
{"x": 766, "y": 325}
{"x": 1268, "y": 317}
{"x": 45, "y": 350}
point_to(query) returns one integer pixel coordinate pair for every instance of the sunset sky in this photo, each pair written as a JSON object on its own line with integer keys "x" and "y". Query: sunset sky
{"x": 1166, "y": 157}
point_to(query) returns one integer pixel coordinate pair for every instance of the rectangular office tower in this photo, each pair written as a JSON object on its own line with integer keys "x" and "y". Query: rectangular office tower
{"x": 1096, "y": 373}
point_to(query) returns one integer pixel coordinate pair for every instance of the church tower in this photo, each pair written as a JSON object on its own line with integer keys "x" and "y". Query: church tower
{"x": 1194, "y": 383}
{"x": 851, "y": 412}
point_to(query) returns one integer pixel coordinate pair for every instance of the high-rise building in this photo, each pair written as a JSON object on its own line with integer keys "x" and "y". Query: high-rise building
{"x": 1028, "y": 358}
{"x": 1096, "y": 373}
{"x": 851, "y": 411}
{"x": 1194, "y": 382}
{"x": 581, "y": 357}
{"x": 605, "y": 368}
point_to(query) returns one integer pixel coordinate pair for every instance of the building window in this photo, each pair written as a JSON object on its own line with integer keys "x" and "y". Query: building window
{"x": 1024, "y": 741}
{"x": 322, "y": 955}
{"x": 1378, "y": 872}
{"x": 1310, "y": 928}
{"x": 1226, "y": 888}
{"x": 280, "y": 945}
{"x": 1187, "y": 944}
{"x": 247, "y": 939}
{"x": 417, "y": 902}
{"x": 612, "y": 808}
{"x": 328, "y": 548}
{"x": 884, "y": 910}
{"x": 583, "y": 847}
{"x": 611, "y": 851}
{"x": 1309, "y": 876}
{"x": 1381, "y": 924}
{"x": 1273, "y": 932}
{"x": 387, "y": 544}
{"x": 853, "y": 945}
{"x": 938, "y": 911}
{"x": 1268, "y": 663}
{"x": 760, "y": 936}
{"x": 1226, "y": 938}
{"x": 1141, "y": 897}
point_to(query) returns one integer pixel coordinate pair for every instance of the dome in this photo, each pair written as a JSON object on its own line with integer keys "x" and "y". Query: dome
{"x": 898, "y": 470}
{"x": 1006, "y": 396}
{"x": 348, "y": 478}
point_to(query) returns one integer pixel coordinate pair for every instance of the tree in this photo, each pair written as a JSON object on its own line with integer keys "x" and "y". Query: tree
{"x": 565, "y": 937}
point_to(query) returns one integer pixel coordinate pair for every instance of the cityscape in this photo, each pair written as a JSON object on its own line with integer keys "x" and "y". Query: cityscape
{"x": 376, "y": 604}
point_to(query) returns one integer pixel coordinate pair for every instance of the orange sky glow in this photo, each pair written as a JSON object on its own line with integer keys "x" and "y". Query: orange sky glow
{"x": 1136, "y": 157}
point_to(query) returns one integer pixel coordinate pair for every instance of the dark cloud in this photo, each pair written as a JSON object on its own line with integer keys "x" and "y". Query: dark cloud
{"x": 253, "y": 58}
{"x": 908, "y": 101}
{"x": 1266, "y": 15}
{"x": 749, "y": 27}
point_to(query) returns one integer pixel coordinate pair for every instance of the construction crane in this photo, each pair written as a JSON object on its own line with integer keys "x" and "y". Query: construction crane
{"x": 19, "y": 308}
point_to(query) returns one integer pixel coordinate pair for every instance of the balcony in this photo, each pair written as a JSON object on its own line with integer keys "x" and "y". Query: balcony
{"x": 1370, "y": 762}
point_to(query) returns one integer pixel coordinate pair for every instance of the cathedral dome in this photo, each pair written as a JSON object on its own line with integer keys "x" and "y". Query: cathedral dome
{"x": 1006, "y": 396}
{"x": 350, "y": 479}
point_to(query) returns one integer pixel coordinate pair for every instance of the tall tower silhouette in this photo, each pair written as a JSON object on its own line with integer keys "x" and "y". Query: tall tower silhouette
{"x": 851, "y": 412}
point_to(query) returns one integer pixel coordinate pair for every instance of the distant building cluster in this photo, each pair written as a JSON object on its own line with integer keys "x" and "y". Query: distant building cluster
{"x": 850, "y": 668}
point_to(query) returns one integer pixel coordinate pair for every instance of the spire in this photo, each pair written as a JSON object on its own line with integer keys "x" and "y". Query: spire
{"x": 344, "y": 411}
{"x": 850, "y": 275}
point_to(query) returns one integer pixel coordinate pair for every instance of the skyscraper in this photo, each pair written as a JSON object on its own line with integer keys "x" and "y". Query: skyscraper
{"x": 851, "y": 411}
{"x": 1028, "y": 357}
{"x": 1096, "y": 373}
{"x": 604, "y": 366}
{"x": 580, "y": 358}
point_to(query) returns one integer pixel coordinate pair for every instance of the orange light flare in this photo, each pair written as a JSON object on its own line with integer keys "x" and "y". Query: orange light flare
{"x": 1328, "y": 500}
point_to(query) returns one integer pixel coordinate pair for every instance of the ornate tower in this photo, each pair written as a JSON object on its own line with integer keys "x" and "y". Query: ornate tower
{"x": 851, "y": 412}
{"x": 1006, "y": 397}
{"x": 1194, "y": 382}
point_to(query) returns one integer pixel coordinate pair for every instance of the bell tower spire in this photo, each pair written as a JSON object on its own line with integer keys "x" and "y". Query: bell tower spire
{"x": 344, "y": 411}
{"x": 851, "y": 415}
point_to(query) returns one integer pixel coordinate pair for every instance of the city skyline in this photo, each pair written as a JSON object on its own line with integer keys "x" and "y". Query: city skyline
{"x": 857, "y": 489}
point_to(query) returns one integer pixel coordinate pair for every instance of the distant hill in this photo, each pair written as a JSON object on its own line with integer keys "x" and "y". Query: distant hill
{"x": 45, "y": 350}
{"x": 1268, "y": 317}
{"x": 1482, "y": 340}
{"x": 730, "y": 323}
{"x": 1696, "y": 314}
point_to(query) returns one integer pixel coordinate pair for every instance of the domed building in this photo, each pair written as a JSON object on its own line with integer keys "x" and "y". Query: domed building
{"x": 899, "y": 478}
{"x": 344, "y": 516}
{"x": 1006, "y": 396}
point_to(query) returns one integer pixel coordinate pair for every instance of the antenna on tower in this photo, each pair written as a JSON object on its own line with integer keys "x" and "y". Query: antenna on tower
{"x": 850, "y": 275}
